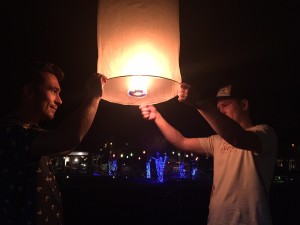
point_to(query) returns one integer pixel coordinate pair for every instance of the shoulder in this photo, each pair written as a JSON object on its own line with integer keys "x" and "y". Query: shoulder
{"x": 267, "y": 136}
{"x": 263, "y": 129}
{"x": 211, "y": 141}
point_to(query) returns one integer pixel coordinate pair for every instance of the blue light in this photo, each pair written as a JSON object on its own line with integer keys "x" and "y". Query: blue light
{"x": 181, "y": 170}
{"x": 194, "y": 171}
{"x": 160, "y": 163}
{"x": 96, "y": 174}
{"x": 112, "y": 168}
{"x": 148, "y": 169}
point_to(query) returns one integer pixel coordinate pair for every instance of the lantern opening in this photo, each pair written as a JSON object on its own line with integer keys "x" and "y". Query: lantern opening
{"x": 137, "y": 93}
{"x": 138, "y": 86}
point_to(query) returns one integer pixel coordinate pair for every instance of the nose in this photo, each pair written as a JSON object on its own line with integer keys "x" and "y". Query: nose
{"x": 58, "y": 100}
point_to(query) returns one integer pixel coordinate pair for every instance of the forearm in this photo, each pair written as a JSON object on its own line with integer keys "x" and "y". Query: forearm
{"x": 221, "y": 124}
{"x": 77, "y": 124}
{"x": 228, "y": 129}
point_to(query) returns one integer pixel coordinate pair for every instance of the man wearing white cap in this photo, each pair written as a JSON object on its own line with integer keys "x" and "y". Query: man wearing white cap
{"x": 244, "y": 154}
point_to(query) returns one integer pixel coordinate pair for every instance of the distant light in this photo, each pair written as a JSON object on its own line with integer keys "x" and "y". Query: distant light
{"x": 79, "y": 153}
{"x": 67, "y": 159}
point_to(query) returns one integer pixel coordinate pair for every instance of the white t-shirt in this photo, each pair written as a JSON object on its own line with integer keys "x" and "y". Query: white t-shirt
{"x": 242, "y": 180}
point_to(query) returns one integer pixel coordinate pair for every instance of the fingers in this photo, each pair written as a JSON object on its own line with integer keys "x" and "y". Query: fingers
{"x": 185, "y": 86}
{"x": 182, "y": 96}
{"x": 183, "y": 92}
{"x": 146, "y": 115}
{"x": 145, "y": 111}
{"x": 103, "y": 78}
{"x": 187, "y": 94}
{"x": 142, "y": 106}
{"x": 95, "y": 84}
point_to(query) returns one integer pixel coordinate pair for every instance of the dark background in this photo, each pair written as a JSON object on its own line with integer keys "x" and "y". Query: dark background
{"x": 249, "y": 42}
{"x": 252, "y": 42}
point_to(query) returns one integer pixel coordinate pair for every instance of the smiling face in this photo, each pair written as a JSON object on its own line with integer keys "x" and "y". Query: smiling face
{"x": 47, "y": 98}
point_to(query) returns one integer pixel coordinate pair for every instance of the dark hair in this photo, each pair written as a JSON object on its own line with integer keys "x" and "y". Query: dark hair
{"x": 35, "y": 69}
{"x": 31, "y": 73}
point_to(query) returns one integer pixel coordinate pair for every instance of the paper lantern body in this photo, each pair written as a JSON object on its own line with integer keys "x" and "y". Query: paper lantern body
{"x": 138, "y": 50}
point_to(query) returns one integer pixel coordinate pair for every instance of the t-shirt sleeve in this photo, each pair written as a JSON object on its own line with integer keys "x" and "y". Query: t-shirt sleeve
{"x": 267, "y": 136}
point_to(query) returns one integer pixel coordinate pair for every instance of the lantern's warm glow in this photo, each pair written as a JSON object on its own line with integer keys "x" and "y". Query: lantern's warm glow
{"x": 138, "y": 86}
{"x": 142, "y": 58}
{"x": 138, "y": 50}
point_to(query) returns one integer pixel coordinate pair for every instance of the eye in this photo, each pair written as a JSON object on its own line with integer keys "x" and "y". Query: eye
{"x": 55, "y": 91}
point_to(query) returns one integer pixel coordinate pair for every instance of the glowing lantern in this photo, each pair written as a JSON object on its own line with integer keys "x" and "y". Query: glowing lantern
{"x": 138, "y": 50}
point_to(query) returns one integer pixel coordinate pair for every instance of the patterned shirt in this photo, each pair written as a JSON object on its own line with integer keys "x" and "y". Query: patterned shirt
{"x": 29, "y": 192}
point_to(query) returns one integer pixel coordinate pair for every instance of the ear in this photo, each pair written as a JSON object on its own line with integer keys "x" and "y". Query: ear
{"x": 245, "y": 104}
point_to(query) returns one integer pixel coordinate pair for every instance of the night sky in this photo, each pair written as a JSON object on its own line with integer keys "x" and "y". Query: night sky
{"x": 250, "y": 42}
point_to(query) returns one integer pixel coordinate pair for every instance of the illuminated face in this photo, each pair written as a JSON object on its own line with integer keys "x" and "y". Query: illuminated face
{"x": 47, "y": 98}
{"x": 231, "y": 107}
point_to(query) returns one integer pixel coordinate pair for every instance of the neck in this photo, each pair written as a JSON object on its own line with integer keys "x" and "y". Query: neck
{"x": 246, "y": 123}
{"x": 24, "y": 115}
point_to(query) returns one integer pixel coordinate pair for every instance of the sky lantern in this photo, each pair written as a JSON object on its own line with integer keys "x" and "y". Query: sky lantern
{"x": 138, "y": 50}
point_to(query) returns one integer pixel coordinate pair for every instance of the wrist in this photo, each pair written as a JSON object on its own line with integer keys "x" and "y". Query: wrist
{"x": 157, "y": 117}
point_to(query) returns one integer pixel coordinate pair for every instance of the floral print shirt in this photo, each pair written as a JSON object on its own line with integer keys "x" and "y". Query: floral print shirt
{"x": 29, "y": 192}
